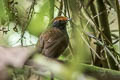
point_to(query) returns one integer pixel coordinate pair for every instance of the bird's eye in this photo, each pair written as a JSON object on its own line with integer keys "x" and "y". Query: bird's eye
{"x": 61, "y": 21}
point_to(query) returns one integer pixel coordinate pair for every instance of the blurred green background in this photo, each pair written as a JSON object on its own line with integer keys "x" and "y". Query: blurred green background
{"x": 22, "y": 22}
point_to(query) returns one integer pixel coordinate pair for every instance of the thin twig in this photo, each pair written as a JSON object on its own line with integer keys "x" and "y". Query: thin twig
{"x": 29, "y": 17}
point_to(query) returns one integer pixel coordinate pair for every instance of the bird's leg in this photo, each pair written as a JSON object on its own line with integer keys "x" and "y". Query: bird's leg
{"x": 38, "y": 78}
{"x": 52, "y": 76}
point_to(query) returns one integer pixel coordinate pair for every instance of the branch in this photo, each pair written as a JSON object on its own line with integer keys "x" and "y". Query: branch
{"x": 45, "y": 66}
{"x": 17, "y": 56}
{"x": 14, "y": 57}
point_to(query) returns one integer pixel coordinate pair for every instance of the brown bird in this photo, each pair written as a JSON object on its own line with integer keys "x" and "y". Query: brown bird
{"x": 54, "y": 41}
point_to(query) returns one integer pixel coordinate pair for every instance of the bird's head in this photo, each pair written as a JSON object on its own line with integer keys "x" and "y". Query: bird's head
{"x": 60, "y": 22}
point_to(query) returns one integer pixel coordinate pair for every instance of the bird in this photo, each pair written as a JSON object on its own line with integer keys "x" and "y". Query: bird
{"x": 53, "y": 42}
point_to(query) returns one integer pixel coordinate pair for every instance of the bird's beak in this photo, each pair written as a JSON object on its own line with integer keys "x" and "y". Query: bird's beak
{"x": 69, "y": 19}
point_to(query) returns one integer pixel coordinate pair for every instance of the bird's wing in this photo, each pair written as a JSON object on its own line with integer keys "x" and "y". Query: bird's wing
{"x": 53, "y": 42}
{"x": 40, "y": 43}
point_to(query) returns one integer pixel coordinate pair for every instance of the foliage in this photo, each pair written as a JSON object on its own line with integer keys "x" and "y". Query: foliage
{"x": 94, "y": 30}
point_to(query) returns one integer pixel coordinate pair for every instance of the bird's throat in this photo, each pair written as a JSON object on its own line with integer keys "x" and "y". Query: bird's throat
{"x": 62, "y": 27}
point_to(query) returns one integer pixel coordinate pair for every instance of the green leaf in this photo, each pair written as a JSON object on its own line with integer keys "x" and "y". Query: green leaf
{"x": 41, "y": 19}
{"x": 2, "y": 12}
{"x": 51, "y": 9}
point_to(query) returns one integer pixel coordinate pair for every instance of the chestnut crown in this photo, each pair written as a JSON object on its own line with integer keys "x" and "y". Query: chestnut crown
{"x": 60, "y": 22}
